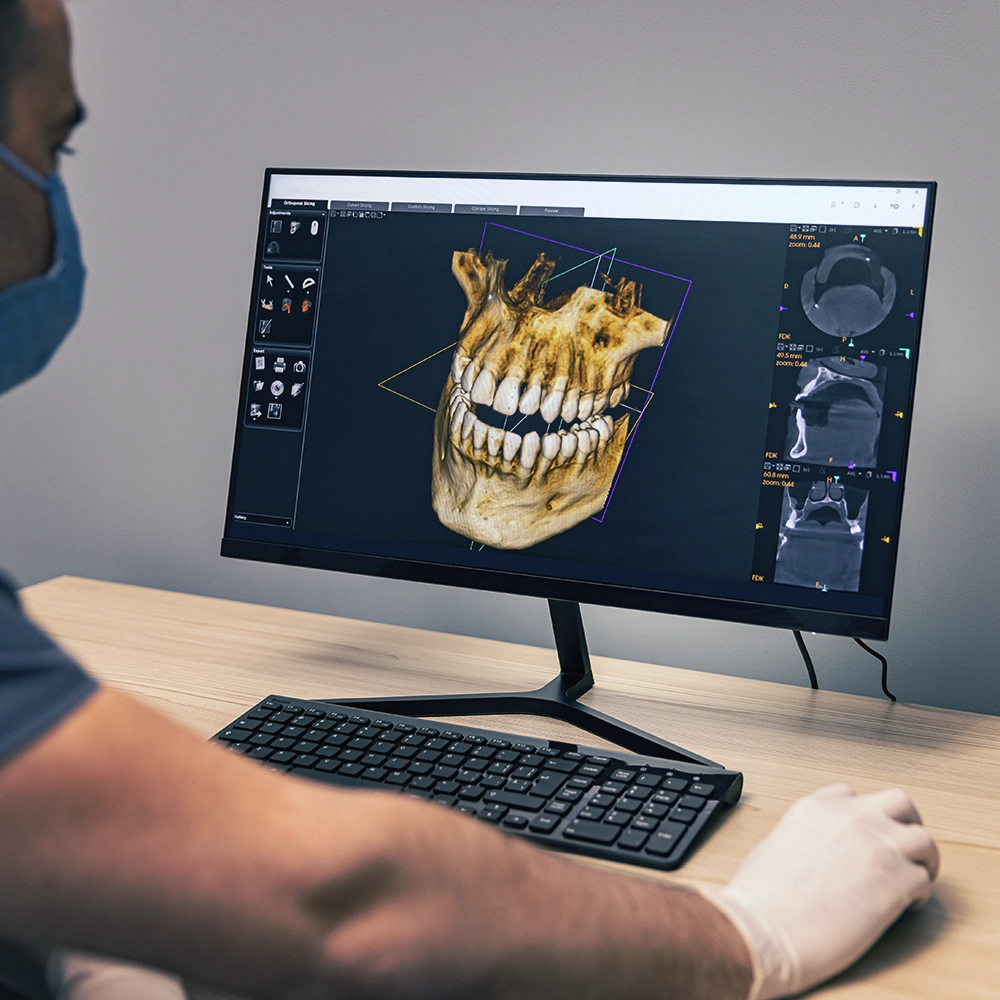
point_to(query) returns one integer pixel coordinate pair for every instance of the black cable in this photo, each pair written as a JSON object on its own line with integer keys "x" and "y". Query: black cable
{"x": 885, "y": 667}
{"x": 810, "y": 669}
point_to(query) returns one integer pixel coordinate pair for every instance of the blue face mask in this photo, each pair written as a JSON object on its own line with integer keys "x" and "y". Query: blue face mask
{"x": 36, "y": 315}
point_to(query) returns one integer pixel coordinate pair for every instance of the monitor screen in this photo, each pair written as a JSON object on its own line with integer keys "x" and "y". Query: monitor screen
{"x": 684, "y": 395}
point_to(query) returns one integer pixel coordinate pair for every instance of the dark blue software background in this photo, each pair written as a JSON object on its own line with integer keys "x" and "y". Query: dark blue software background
{"x": 687, "y": 502}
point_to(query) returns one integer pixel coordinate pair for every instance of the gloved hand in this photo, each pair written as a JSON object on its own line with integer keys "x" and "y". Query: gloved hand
{"x": 820, "y": 889}
{"x": 73, "y": 975}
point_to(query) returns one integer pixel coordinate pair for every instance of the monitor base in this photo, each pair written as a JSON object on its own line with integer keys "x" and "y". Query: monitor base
{"x": 555, "y": 700}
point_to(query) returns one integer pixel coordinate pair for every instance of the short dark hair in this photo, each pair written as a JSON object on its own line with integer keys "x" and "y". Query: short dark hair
{"x": 13, "y": 34}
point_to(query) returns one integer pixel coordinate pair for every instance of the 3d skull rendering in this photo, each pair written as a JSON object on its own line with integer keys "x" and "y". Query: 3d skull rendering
{"x": 561, "y": 365}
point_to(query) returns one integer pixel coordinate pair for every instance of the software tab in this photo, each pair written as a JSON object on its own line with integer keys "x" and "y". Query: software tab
{"x": 420, "y": 206}
{"x": 359, "y": 206}
{"x": 297, "y": 203}
{"x": 486, "y": 209}
{"x": 551, "y": 210}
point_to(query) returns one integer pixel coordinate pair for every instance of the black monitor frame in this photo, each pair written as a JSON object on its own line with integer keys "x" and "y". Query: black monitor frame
{"x": 564, "y": 589}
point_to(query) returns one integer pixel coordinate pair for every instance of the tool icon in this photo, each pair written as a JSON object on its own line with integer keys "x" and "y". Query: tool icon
{"x": 267, "y": 304}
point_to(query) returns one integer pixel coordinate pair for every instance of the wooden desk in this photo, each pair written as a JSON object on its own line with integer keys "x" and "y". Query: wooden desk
{"x": 204, "y": 661}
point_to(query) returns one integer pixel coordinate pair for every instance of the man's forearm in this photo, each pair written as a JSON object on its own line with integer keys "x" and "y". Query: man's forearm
{"x": 122, "y": 833}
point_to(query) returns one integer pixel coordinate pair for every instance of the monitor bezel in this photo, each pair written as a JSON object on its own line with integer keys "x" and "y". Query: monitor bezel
{"x": 531, "y": 585}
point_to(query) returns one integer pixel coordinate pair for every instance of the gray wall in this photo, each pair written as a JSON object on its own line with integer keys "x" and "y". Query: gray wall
{"x": 116, "y": 460}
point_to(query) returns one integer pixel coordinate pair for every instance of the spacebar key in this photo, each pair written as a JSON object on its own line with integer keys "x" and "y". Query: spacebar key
{"x": 596, "y": 833}
{"x": 529, "y": 803}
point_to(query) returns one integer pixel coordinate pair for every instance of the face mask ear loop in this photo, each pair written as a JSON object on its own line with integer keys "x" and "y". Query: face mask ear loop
{"x": 22, "y": 169}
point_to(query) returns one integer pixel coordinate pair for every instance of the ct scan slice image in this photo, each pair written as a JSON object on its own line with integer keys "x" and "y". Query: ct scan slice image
{"x": 822, "y": 536}
{"x": 524, "y": 444}
{"x": 849, "y": 292}
{"x": 836, "y": 417}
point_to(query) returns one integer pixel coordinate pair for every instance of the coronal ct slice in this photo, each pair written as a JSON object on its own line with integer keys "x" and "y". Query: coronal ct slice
{"x": 560, "y": 366}
{"x": 837, "y": 415}
{"x": 822, "y": 536}
{"x": 849, "y": 292}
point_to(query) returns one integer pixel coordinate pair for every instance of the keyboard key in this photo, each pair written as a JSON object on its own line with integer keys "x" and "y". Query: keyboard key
{"x": 455, "y": 760}
{"x": 518, "y": 785}
{"x": 474, "y": 764}
{"x": 570, "y": 794}
{"x": 613, "y": 787}
{"x": 627, "y": 805}
{"x": 359, "y": 744}
{"x": 429, "y": 731}
{"x": 639, "y": 792}
{"x": 413, "y": 740}
{"x": 437, "y": 744}
{"x": 344, "y": 727}
{"x": 602, "y": 761}
{"x": 594, "y": 833}
{"x": 579, "y": 783}
{"x": 420, "y": 767}
{"x": 675, "y": 784}
{"x": 250, "y": 724}
{"x": 305, "y": 746}
{"x": 395, "y": 778}
{"x": 492, "y": 780}
{"x": 282, "y": 757}
{"x": 500, "y": 744}
{"x": 468, "y": 777}
{"x": 493, "y": 812}
{"x": 524, "y": 748}
{"x": 558, "y": 808}
{"x": 699, "y": 789}
{"x": 662, "y": 843}
{"x": 589, "y": 812}
{"x": 403, "y": 727}
{"x": 284, "y": 743}
{"x": 260, "y": 753}
{"x": 350, "y": 756}
{"x": 444, "y": 773}
{"x": 234, "y": 735}
{"x": 293, "y": 732}
{"x": 271, "y": 727}
{"x": 527, "y": 803}
{"x": 471, "y": 793}
{"x": 401, "y": 751}
{"x": 681, "y": 815}
{"x": 548, "y": 784}
{"x": 515, "y": 822}
{"x": 397, "y": 763}
{"x": 451, "y": 736}
{"x": 525, "y": 772}
{"x": 431, "y": 756}
{"x": 497, "y": 768}
{"x": 508, "y": 756}
{"x": 622, "y": 775}
{"x": 632, "y": 840}
{"x": 382, "y": 747}
{"x": 305, "y": 760}
{"x": 352, "y": 770}
{"x": 373, "y": 759}
{"x": 619, "y": 818}
{"x": 369, "y": 733}
{"x": 281, "y": 717}
{"x": 549, "y": 752}
{"x": 669, "y": 798}
{"x": 467, "y": 810}
{"x": 477, "y": 740}
{"x": 329, "y": 766}
{"x": 483, "y": 752}
{"x": 260, "y": 739}
{"x": 691, "y": 802}
{"x": 592, "y": 770}
{"x": 675, "y": 830}
{"x": 655, "y": 809}
{"x": 602, "y": 800}
{"x": 460, "y": 748}
{"x": 544, "y": 824}
{"x": 647, "y": 823}
{"x": 423, "y": 783}
{"x": 446, "y": 787}
{"x": 559, "y": 764}
{"x": 374, "y": 773}
{"x": 572, "y": 755}
{"x": 532, "y": 760}
{"x": 361, "y": 720}
{"x": 271, "y": 705}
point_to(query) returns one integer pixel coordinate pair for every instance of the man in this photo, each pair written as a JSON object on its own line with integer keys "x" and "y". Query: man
{"x": 123, "y": 834}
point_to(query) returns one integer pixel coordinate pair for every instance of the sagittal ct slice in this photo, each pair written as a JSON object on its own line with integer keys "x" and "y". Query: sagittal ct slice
{"x": 528, "y": 433}
{"x": 836, "y": 417}
{"x": 849, "y": 292}
{"x": 822, "y": 536}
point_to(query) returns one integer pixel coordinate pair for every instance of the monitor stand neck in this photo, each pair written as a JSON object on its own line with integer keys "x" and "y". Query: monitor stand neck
{"x": 555, "y": 700}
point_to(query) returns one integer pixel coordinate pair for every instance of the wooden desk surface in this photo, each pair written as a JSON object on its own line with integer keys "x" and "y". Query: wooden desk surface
{"x": 204, "y": 661}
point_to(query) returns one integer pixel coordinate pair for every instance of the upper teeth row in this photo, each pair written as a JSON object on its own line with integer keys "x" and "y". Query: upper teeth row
{"x": 584, "y": 439}
{"x": 507, "y": 397}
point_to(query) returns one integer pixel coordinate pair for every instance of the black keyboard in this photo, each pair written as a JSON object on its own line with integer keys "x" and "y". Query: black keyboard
{"x": 618, "y": 806}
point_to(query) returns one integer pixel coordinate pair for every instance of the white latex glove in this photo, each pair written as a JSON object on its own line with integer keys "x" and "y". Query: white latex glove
{"x": 819, "y": 890}
{"x": 73, "y": 975}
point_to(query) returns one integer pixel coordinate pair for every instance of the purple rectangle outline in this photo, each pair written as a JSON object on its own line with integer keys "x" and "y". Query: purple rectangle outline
{"x": 666, "y": 346}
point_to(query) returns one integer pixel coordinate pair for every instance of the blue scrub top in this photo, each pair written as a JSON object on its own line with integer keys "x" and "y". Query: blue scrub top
{"x": 39, "y": 683}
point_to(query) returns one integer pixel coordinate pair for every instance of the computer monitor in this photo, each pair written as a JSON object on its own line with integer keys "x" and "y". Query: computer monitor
{"x": 685, "y": 395}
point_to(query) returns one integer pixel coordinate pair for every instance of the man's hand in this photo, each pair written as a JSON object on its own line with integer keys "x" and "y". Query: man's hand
{"x": 818, "y": 891}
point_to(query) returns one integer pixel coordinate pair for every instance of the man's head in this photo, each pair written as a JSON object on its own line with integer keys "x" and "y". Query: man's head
{"x": 38, "y": 111}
